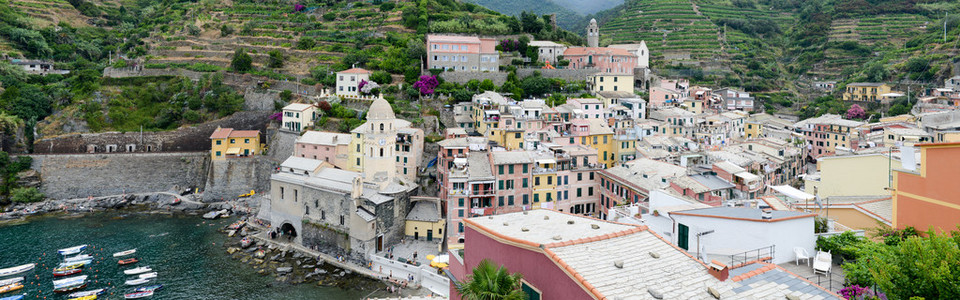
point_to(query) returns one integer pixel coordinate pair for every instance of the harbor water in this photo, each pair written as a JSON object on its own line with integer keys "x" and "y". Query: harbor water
{"x": 187, "y": 252}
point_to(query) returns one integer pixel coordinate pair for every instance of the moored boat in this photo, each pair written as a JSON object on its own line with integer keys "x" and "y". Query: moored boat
{"x": 237, "y": 225}
{"x": 246, "y": 242}
{"x": 67, "y": 272}
{"x": 137, "y": 270}
{"x": 137, "y": 281}
{"x": 11, "y": 287}
{"x": 149, "y": 288}
{"x": 81, "y": 257}
{"x": 71, "y": 288}
{"x": 127, "y": 261}
{"x": 148, "y": 275}
{"x": 125, "y": 253}
{"x": 63, "y": 267}
{"x": 10, "y": 281}
{"x": 72, "y": 250}
{"x": 89, "y": 297}
{"x": 71, "y": 281}
{"x": 87, "y": 293}
{"x": 16, "y": 270}
{"x": 137, "y": 295}
{"x": 17, "y": 297}
{"x": 74, "y": 264}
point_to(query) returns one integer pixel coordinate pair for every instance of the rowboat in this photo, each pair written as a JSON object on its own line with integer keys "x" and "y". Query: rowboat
{"x": 16, "y": 270}
{"x": 70, "y": 288}
{"x": 80, "y": 257}
{"x": 87, "y": 293}
{"x": 66, "y": 272}
{"x": 246, "y": 242}
{"x": 64, "y": 267}
{"x": 69, "y": 281}
{"x": 149, "y": 288}
{"x": 127, "y": 261}
{"x": 74, "y": 264}
{"x": 137, "y": 281}
{"x": 138, "y": 270}
{"x": 137, "y": 295}
{"x": 71, "y": 250}
{"x": 10, "y": 281}
{"x": 17, "y": 297}
{"x": 11, "y": 287}
{"x": 89, "y": 297}
{"x": 124, "y": 253}
{"x": 148, "y": 275}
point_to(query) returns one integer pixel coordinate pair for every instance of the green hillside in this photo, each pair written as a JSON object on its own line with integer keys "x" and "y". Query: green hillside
{"x": 566, "y": 18}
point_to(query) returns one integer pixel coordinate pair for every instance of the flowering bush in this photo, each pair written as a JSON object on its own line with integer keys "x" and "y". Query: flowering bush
{"x": 276, "y": 117}
{"x": 856, "y": 292}
{"x": 856, "y": 112}
{"x": 510, "y": 45}
{"x": 298, "y": 7}
{"x": 426, "y": 84}
{"x": 367, "y": 87}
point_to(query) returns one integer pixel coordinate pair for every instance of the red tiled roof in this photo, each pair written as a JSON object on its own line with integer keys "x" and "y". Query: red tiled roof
{"x": 356, "y": 71}
{"x": 222, "y": 133}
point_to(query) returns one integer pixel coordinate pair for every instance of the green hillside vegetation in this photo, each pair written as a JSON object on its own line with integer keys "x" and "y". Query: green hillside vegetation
{"x": 566, "y": 18}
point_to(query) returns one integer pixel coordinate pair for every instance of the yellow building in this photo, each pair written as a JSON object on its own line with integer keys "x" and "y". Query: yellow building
{"x": 693, "y": 105}
{"x": 511, "y": 139}
{"x": 851, "y": 175}
{"x": 601, "y": 138}
{"x": 865, "y": 91}
{"x": 753, "y": 129}
{"x": 424, "y": 221}
{"x": 858, "y": 213}
{"x": 544, "y": 182}
{"x": 226, "y": 142}
{"x": 603, "y": 82}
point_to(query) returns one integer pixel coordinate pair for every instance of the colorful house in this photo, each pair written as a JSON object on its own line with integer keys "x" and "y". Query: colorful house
{"x": 865, "y": 91}
{"x": 926, "y": 197}
{"x": 227, "y": 142}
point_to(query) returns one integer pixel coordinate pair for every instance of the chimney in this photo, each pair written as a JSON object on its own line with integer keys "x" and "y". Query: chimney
{"x": 719, "y": 270}
{"x": 766, "y": 214}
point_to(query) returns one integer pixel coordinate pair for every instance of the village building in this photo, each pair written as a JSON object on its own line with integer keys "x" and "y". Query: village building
{"x": 462, "y": 53}
{"x": 548, "y": 51}
{"x": 229, "y": 143}
{"x": 348, "y": 82}
{"x": 298, "y": 116}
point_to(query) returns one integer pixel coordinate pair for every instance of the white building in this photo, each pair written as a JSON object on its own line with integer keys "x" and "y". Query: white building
{"x": 298, "y": 116}
{"x": 348, "y": 82}
{"x": 719, "y": 232}
{"x": 548, "y": 51}
{"x": 643, "y": 54}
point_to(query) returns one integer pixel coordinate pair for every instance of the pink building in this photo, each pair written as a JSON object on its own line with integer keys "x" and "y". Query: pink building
{"x": 668, "y": 92}
{"x": 326, "y": 146}
{"x": 590, "y": 108}
{"x": 565, "y": 256}
{"x": 607, "y": 60}
{"x": 462, "y": 53}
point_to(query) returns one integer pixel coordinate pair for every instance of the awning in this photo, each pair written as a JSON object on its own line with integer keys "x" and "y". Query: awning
{"x": 233, "y": 151}
{"x": 792, "y": 192}
{"x": 747, "y": 176}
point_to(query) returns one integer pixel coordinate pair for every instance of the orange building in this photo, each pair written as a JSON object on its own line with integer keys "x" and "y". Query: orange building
{"x": 929, "y": 197}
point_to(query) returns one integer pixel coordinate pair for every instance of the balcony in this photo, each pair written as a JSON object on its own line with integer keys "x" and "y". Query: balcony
{"x": 540, "y": 171}
{"x": 481, "y": 193}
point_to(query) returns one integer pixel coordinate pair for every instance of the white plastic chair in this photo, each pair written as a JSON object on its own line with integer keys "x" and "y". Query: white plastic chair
{"x": 801, "y": 255}
{"x": 823, "y": 263}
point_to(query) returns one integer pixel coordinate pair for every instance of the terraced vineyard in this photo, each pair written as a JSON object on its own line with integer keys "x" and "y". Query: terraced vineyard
{"x": 678, "y": 29}
{"x": 49, "y": 12}
{"x": 894, "y": 29}
{"x": 261, "y": 27}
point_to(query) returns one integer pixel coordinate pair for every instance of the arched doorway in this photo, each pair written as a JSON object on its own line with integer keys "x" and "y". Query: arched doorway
{"x": 287, "y": 230}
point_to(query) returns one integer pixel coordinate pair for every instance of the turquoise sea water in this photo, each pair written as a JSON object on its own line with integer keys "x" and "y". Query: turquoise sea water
{"x": 186, "y": 251}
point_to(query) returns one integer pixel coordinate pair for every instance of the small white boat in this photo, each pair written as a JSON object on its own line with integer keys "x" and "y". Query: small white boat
{"x": 81, "y": 263}
{"x": 16, "y": 270}
{"x": 10, "y": 281}
{"x": 148, "y": 275}
{"x": 77, "y": 258}
{"x": 137, "y": 270}
{"x": 137, "y": 281}
{"x": 86, "y": 293}
{"x": 125, "y": 253}
{"x": 137, "y": 295}
{"x": 75, "y": 280}
{"x": 71, "y": 250}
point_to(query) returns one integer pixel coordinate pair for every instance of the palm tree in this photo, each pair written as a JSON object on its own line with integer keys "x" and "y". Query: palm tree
{"x": 491, "y": 283}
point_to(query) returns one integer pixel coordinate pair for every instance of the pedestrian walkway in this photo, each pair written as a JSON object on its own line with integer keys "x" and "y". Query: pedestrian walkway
{"x": 262, "y": 238}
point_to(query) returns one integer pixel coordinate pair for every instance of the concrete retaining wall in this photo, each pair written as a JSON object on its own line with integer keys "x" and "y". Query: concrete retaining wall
{"x": 498, "y": 78}
{"x": 230, "y": 178}
{"x": 565, "y": 74}
{"x": 423, "y": 275}
{"x": 82, "y": 175}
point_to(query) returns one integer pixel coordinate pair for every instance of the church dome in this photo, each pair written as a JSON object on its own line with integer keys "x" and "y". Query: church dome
{"x": 380, "y": 110}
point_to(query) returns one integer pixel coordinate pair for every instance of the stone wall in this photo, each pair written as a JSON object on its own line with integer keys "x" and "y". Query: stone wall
{"x": 325, "y": 238}
{"x": 194, "y": 138}
{"x": 259, "y": 100}
{"x": 230, "y": 178}
{"x": 565, "y": 74}
{"x": 498, "y": 78}
{"x": 82, "y": 175}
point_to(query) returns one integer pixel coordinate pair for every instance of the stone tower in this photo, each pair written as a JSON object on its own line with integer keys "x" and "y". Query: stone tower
{"x": 593, "y": 34}
{"x": 379, "y": 162}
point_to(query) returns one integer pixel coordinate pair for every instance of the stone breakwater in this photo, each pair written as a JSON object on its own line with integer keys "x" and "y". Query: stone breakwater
{"x": 158, "y": 202}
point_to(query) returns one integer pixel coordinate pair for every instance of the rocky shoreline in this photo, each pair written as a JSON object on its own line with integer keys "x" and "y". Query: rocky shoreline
{"x": 157, "y": 202}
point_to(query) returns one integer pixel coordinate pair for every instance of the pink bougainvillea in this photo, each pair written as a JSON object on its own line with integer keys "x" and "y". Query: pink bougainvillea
{"x": 276, "y": 117}
{"x": 426, "y": 84}
{"x": 298, "y": 7}
{"x": 856, "y": 112}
